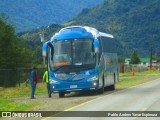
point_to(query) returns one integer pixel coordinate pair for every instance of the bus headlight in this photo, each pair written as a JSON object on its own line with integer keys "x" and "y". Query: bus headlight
{"x": 93, "y": 78}
{"x": 53, "y": 81}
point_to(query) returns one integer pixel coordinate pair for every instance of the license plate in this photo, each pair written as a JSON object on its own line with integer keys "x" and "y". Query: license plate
{"x": 73, "y": 86}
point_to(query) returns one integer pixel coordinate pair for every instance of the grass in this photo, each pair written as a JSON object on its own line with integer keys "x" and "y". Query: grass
{"x": 127, "y": 80}
{"x": 146, "y": 73}
{"x": 7, "y": 95}
{"x": 22, "y": 91}
{"x": 10, "y": 105}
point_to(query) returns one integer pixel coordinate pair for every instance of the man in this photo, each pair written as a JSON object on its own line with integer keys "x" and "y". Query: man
{"x": 45, "y": 78}
{"x": 33, "y": 81}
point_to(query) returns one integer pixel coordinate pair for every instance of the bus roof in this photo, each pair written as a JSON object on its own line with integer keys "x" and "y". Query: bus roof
{"x": 79, "y": 32}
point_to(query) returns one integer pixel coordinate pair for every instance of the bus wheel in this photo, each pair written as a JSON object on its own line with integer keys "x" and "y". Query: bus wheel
{"x": 61, "y": 94}
{"x": 112, "y": 87}
{"x": 101, "y": 90}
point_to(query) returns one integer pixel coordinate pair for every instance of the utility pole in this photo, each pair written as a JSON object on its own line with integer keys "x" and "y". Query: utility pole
{"x": 151, "y": 58}
{"x": 151, "y": 49}
{"x": 42, "y": 41}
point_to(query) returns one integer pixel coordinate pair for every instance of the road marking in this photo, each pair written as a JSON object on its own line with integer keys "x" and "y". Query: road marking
{"x": 82, "y": 104}
{"x": 53, "y": 115}
{"x": 144, "y": 109}
{"x": 107, "y": 95}
{"x": 46, "y": 118}
{"x": 73, "y": 108}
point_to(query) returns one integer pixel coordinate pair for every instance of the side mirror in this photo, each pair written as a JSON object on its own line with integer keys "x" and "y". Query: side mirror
{"x": 45, "y": 47}
{"x": 96, "y": 45}
{"x": 52, "y": 49}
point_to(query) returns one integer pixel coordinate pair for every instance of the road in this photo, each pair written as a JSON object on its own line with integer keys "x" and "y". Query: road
{"x": 144, "y": 97}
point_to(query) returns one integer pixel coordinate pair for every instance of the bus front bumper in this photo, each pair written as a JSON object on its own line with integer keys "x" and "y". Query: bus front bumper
{"x": 73, "y": 87}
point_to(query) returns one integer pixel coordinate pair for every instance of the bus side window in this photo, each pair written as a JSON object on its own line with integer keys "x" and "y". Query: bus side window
{"x": 100, "y": 48}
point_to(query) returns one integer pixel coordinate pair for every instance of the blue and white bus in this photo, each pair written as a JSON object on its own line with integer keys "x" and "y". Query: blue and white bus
{"x": 80, "y": 58}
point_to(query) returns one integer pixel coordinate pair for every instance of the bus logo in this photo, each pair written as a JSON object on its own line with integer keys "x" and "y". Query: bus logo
{"x": 107, "y": 60}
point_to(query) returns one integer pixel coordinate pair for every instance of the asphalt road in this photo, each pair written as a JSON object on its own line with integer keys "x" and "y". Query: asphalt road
{"x": 144, "y": 97}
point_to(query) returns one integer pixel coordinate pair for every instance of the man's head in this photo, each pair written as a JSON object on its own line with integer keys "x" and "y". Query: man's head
{"x": 35, "y": 68}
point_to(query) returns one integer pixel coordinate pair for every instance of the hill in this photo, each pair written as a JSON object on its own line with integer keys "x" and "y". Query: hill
{"x": 30, "y": 14}
{"x": 135, "y": 23}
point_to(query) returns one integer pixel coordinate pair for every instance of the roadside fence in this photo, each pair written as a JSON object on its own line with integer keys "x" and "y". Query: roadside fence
{"x": 123, "y": 68}
{"x": 21, "y": 76}
{"x": 18, "y": 77}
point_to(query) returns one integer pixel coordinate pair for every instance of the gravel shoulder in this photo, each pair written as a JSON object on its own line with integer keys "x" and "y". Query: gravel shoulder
{"x": 43, "y": 103}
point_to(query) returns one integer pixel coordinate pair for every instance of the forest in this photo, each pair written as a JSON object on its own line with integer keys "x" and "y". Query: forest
{"x": 135, "y": 25}
{"x": 32, "y": 14}
{"x": 13, "y": 52}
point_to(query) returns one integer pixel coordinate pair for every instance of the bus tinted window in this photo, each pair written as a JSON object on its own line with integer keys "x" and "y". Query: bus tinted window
{"x": 108, "y": 45}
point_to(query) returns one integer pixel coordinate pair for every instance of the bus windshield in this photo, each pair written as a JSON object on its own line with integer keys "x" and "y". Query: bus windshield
{"x": 72, "y": 55}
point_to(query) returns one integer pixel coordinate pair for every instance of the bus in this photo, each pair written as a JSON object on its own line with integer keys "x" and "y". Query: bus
{"x": 80, "y": 58}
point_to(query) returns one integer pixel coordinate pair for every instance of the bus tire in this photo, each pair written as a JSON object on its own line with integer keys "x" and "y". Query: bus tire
{"x": 112, "y": 87}
{"x": 61, "y": 94}
{"x": 101, "y": 90}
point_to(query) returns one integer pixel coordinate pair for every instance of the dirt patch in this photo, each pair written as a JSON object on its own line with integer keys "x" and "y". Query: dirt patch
{"x": 43, "y": 103}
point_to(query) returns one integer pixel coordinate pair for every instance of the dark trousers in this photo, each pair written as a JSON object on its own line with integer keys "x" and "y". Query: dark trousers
{"x": 33, "y": 88}
{"x": 48, "y": 88}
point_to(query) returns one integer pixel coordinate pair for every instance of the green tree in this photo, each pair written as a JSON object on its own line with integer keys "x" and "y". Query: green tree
{"x": 12, "y": 52}
{"x": 134, "y": 57}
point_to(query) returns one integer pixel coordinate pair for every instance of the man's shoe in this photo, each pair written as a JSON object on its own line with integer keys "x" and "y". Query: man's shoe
{"x": 49, "y": 95}
{"x": 33, "y": 97}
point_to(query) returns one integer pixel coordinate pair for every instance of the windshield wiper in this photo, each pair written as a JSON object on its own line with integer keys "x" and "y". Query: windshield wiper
{"x": 62, "y": 67}
{"x": 87, "y": 67}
